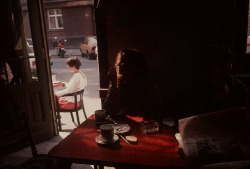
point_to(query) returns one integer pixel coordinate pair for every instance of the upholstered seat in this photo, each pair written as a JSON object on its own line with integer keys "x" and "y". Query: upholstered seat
{"x": 71, "y": 107}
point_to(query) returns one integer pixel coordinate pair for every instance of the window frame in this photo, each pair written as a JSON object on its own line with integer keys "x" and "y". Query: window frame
{"x": 55, "y": 15}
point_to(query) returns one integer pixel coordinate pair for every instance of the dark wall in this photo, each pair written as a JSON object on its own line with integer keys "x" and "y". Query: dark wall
{"x": 173, "y": 35}
{"x": 168, "y": 29}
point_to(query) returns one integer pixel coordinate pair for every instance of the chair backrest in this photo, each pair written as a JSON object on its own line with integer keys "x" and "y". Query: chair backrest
{"x": 80, "y": 92}
{"x": 75, "y": 94}
{"x": 13, "y": 131}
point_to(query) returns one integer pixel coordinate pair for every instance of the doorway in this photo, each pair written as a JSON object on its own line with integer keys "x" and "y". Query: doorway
{"x": 72, "y": 24}
{"x": 34, "y": 62}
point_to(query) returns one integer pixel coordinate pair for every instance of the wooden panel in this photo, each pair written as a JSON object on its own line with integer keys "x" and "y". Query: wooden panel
{"x": 103, "y": 60}
{"x": 42, "y": 123}
{"x": 103, "y": 93}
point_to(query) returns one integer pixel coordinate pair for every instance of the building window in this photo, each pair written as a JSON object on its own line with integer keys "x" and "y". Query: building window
{"x": 55, "y": 19}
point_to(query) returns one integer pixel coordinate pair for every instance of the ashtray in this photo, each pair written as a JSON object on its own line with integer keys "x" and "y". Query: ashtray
{"x": 149, "y": 127}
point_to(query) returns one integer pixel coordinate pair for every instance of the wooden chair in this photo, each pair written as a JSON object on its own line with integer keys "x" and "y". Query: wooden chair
{"x": 18, "y": 125}
{"x": 75, "y": 107}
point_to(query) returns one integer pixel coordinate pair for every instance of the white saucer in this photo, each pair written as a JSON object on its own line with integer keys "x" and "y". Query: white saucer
{"x": 99, "y": 140}
{"x": 121, "y": 128}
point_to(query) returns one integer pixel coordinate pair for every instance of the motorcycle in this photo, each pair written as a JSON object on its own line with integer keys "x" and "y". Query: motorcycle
{"x": 61, "y": 52}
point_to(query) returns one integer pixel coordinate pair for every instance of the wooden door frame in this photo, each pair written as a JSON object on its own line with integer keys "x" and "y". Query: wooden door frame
{"x": 103, "y": 59}
{"x": 41, "y": 50}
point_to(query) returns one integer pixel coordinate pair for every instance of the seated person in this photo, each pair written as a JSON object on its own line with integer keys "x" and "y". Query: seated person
{"x": 76, "y": 83}
{"x": 217, "y": 89}
{"x": 224, "y": 90}
{"x": 132, "y": 90}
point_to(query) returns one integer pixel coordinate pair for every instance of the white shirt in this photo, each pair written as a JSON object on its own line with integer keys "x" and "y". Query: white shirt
{"x": 76, "y": 83}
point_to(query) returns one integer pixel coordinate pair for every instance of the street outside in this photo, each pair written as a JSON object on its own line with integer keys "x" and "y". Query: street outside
{"x": 60, "y": 72}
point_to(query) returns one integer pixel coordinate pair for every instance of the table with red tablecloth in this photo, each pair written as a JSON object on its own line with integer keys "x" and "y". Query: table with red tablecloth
{"x": 156, "y": 150}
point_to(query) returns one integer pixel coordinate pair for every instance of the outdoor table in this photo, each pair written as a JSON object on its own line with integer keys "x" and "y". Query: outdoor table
{"x": 56, "y": 84}
{"x": 157, "y": 150}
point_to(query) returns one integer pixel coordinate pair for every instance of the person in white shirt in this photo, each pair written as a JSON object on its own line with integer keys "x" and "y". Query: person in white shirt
{"x": 76, "y": 83}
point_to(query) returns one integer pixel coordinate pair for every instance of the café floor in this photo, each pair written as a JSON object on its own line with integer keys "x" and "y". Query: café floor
{"x": 44, "y": 147}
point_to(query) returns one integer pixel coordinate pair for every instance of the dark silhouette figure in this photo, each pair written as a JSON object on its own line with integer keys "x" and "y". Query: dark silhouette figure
{"x": 224, "y": 90}
{"x": 132, "y": 89}
{"x": 217, "y": 89}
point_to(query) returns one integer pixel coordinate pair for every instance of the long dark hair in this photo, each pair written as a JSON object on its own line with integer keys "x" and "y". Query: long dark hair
{"x": 136, "y": 65}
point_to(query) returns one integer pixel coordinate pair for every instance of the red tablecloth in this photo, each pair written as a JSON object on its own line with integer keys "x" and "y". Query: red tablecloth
{"x": 159, "y": 150}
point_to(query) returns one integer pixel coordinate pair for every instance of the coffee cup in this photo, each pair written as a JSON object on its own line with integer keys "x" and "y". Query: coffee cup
{"x": 107, "y": 132}
{"x": 100, "y": 115}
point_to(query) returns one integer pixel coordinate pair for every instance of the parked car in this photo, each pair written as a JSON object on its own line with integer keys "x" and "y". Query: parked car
{"x": 33, "y": 61}
{"x": 248, "y": 40}
{"x": 88, "y": 46}
{"x": 32, "y": 55}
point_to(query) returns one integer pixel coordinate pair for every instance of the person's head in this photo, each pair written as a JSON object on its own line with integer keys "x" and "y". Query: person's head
{"x": 130, "y": 64}
{"x": 73, "y": 63}
{"x": 220, "y": 64}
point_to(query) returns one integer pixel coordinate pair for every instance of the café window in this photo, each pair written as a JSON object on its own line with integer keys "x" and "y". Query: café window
{"x": 55, "y": 19}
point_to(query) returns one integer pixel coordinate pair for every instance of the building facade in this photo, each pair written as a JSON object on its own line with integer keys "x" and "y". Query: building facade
{"x": 67, "y": 20}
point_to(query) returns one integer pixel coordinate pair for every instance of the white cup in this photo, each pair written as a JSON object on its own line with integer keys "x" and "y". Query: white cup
{"x": 107, "y": 132}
